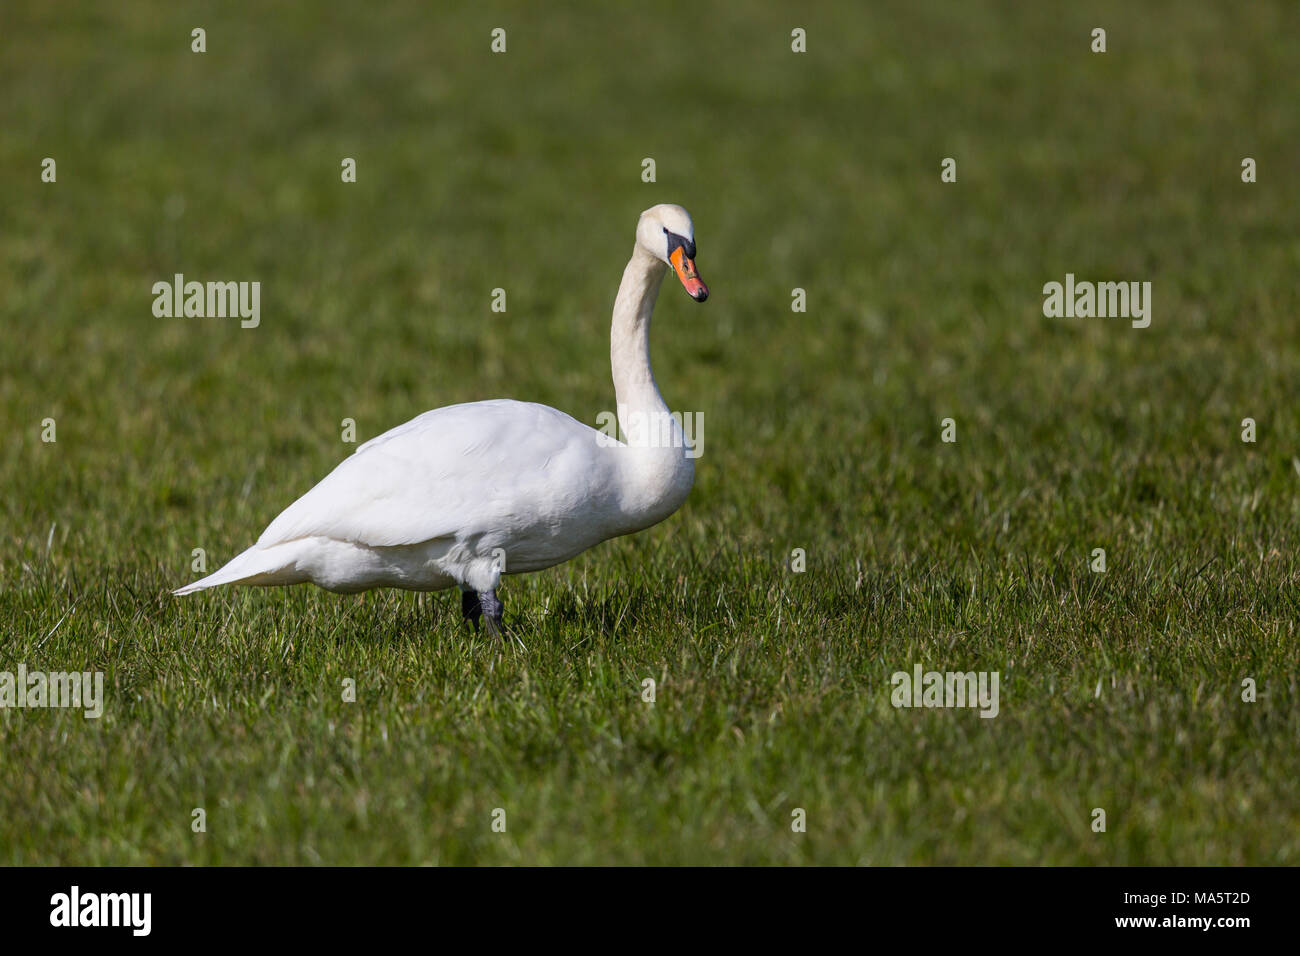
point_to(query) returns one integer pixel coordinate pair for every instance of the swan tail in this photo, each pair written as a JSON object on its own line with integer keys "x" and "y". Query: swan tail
{"x": 246, "y": 568}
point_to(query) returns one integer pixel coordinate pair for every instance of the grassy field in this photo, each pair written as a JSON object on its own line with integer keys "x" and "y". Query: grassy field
{"x": 821, "y": 171}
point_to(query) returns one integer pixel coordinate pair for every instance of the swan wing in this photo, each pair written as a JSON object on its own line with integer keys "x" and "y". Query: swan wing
{"x": 458, "y": 471}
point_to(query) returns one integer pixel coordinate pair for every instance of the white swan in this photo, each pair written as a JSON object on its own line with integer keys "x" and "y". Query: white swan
{"x": 456, "y": 493}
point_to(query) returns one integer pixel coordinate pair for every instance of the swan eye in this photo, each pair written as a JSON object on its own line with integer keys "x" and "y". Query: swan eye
{"x": 675, "y": 241}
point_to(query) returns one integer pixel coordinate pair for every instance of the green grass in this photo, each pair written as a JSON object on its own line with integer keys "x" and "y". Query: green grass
{"x": 820, "y": 171}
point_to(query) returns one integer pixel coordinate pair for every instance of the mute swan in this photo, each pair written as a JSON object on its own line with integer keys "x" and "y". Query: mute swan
{"x": 462, "y": 494}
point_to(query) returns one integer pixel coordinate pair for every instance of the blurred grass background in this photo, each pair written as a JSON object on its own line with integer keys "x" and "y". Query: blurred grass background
{"x": 522, "y": 171}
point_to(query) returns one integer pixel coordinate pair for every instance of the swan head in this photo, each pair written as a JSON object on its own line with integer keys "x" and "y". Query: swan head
{"x": 666, "y": 232}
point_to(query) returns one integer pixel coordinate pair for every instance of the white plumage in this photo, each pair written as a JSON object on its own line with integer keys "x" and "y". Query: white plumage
{"x": 461, "y": 494}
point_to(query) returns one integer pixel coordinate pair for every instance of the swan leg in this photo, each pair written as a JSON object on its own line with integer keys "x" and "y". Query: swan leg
{"x": 492, "y": 610}
{"x": 470, "y": 608}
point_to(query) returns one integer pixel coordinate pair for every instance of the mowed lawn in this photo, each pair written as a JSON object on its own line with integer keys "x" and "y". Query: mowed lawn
{"x": 522, "y": 171}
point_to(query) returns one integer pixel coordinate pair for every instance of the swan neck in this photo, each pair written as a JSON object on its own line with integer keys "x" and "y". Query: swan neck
{"x": 629, "y": 340}
{"x": 655, "y": 466}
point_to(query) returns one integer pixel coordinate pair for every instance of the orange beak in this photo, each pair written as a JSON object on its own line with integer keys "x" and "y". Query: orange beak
{"x": 685, "y": 269}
